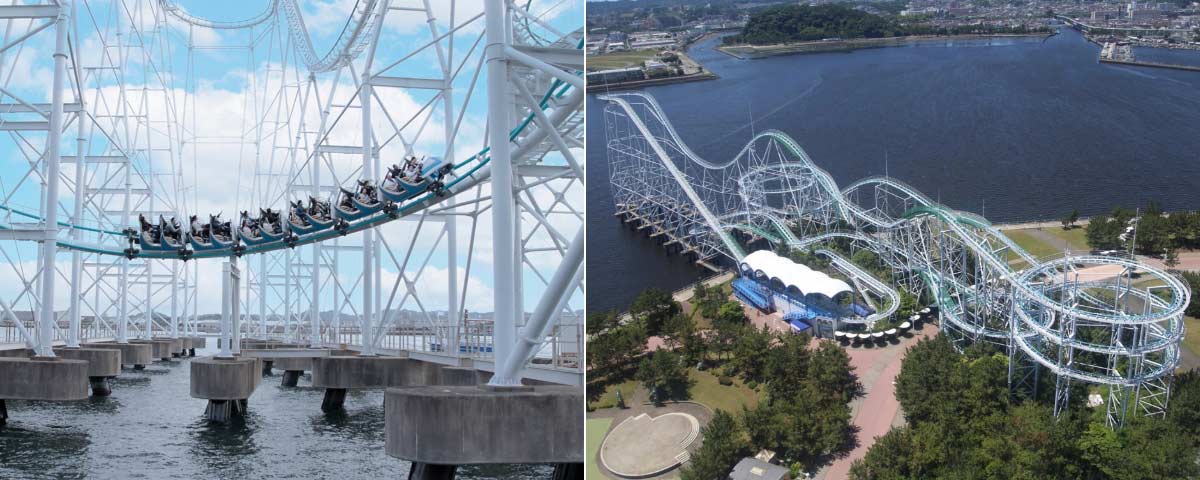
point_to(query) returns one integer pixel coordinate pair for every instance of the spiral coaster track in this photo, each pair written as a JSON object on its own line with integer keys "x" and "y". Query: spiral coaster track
{"x": 1099, "y": 320}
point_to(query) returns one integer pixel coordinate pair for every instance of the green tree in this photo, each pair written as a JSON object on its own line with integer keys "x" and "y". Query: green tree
{"x": 831, "y": 374}
{"x": 1171, "y": 258}
{"x": 723, "y": 446}
{"x": 598, "y": 322}
{"x": 750, "y": 351}
{"x": 786, "y": 369}
{"x": 731, "y": 313}
{"x": 1069, "y": 219}
{"x": 665, "y": 376}
{"x": 615, "y": 348}
{"x": 654, "y": 307}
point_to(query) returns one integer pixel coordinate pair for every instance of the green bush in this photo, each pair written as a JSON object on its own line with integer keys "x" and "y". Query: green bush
{"x": 752, "y": 384}
{"x": 724, "y": 380}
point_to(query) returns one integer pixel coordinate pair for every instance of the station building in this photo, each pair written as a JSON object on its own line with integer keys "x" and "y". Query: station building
{"x": 809, "y": 300}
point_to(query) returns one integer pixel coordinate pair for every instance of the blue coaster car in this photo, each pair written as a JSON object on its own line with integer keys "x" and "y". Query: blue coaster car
{"x": 250, "y": 231}
{"x": 312, "y": 219}
{"x": 214, "y": 236}
{"x": 351, "y": 208}
{"x": 271, "y": 225}
{"x": 152, "y": 237}
{"x": 402, "y": 184}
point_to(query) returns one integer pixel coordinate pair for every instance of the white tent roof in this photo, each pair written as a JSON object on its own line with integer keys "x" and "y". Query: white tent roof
{"x": 766, "y": 264}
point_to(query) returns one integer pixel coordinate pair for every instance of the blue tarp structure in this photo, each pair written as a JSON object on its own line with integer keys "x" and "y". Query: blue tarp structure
{"x": 799, "y": 320}
{"x": 752, "y": 293}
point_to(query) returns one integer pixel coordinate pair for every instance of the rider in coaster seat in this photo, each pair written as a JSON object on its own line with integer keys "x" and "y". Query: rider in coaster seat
{"x": 248, "y": 225}
{"x": 197, "y": 228}
{"x": 412, "y": 168}
{"x": 366, "y": 192}
{"x": 297, "y": 216}
{"x": 346, "y": 204}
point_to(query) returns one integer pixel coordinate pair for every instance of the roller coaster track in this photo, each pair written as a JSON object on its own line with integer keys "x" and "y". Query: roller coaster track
{"x": 1036, "y": 304}
{"x": 467, "y": 174}
{"x": 365, "y": 18}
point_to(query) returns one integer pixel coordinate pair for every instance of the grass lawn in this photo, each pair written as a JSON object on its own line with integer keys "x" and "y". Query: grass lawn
{"x": 610, "y": 61}
{"x": 1191, "y": 338}
{"x": 711, "y": 393}
{"x": 609, "y": 398}
{"x": 596, "y": 429}
{"x": 707, "y": 390}
{"x": 1037, "y": 245}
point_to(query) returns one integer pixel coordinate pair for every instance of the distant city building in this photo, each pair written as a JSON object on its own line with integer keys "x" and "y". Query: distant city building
{"x": 650, "y": 40}
{"x": 656, "y": 67}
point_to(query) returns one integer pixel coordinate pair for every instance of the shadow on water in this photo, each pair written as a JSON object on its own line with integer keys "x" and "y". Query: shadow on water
{"x": 225, "y": 450}
{"x": 44, "y": 450}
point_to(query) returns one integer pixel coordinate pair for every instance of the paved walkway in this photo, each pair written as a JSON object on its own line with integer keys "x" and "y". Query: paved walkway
{"x": 877, "y": 410}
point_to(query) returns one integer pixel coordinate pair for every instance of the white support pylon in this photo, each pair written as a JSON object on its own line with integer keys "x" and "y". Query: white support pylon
{"x": 49, "y": 248}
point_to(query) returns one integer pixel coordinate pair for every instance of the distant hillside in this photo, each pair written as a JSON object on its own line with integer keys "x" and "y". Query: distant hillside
{"x": 795, "y": 23}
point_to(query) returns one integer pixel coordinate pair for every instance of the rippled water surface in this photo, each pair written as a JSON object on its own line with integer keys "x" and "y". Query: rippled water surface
{"x": 151, "y": 428}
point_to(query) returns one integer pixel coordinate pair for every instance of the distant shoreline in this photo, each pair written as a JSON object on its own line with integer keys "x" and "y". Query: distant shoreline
{"x": 706, "y": 75}
{"x": 749, "y": 52}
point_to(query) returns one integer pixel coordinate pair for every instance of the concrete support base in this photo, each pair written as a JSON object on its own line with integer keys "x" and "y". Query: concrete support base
{"x": 225, "y": 411}
{"x": 170, "y": 349}
{"x": 447, "y": 425}
{"x": 139, "y": 367}
{"x": 335, "y": 400}
{"x": 100, "y": 386}
{"x": 460, "y": 376}
{"x": 373, "y": 372}
{"x": 267, "y": 365}
{"x": 226, "y": 382}
{"x": 161, "y": 349}
{"x": 102, "y": 362}
{"x": 291, "y": 378}
{"x": 43, "y": 379}
{"x": 429, "y": 471}
{"x": 301, "y": 364}
{"x": 131, "y": 353}
{"x": 3, "y": 413}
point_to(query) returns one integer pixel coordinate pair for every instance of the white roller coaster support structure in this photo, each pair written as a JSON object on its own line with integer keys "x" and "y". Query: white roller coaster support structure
{"x": 142, "y": 147}
{"x": 1080, "y": 318}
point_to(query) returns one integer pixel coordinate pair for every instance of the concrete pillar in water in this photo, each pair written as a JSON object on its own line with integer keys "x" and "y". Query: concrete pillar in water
{"x": 429, "y": 471}
{"x": 227, "y": 385}
{"x": 568, "y": 471}
{"x": 267, "y": 366}
{"x": 3, "y": 413}
{"x": 225, "y": 411}
{"x": 335, "y": 400}
{"x": 100, "y": 386}
{"x": 291, "y": 377}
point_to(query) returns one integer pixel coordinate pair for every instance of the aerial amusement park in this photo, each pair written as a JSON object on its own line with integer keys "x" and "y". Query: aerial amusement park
{"x": 839, "y": 262}
{"x": 380, "y": 200}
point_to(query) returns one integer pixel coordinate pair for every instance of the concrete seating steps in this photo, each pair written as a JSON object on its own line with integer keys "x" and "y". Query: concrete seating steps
{"x": 692, "y": 434}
